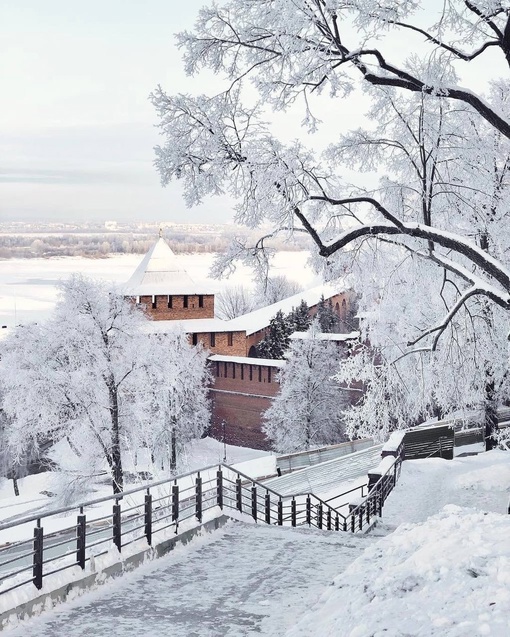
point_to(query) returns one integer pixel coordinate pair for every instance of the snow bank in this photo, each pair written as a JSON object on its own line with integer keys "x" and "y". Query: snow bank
{"x": 443, "y": 572}
{"x": 449, "y": 576}
{"x": 393, "y": 443}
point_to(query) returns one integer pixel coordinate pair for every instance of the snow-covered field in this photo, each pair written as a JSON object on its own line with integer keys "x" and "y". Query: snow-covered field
{"x": 28, "y": 286}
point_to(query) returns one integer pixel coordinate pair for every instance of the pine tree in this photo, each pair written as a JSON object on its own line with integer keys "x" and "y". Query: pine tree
{"x": 299, "y": 317}
{"x": 276, "y": 341}
{"x": 328, "y": 320}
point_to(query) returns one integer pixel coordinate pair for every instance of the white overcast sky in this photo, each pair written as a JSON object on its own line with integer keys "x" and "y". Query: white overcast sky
{"x": 76, "y": 127}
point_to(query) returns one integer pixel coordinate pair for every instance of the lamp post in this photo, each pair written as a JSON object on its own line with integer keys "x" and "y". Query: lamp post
{"x": 223, "y": 425}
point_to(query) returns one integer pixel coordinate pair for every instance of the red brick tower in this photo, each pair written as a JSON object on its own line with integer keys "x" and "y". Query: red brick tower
{"x": 166, "y": 290}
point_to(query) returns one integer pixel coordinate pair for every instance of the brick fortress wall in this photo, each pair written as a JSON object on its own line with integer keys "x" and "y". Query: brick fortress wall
{"x": 179, "y": 307}
{"x": 240, "y": 395}
{"x": 341, "y": 305}
{"x": 226, "y": 343}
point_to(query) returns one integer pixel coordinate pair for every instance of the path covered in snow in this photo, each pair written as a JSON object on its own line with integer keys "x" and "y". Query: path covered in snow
{"x": 244, "y": 579}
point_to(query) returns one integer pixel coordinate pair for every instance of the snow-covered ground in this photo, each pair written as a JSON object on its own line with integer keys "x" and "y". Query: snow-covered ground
{"x": 36, "y": 490}
{"x": 445, "y": 571}
{"x": 440, "y": 569}
{"x": 28, "y": 287}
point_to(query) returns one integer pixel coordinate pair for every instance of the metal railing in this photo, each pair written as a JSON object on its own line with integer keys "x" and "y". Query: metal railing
{"x": 371, "y": 505}
{"x": 146, "y": 511}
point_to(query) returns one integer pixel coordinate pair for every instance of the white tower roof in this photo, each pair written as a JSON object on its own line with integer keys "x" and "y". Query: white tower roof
{"x": 160, "y": 273}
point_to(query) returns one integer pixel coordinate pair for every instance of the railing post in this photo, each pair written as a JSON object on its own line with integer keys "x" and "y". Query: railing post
{"x": 239, "y": 495}
{"x": 337, "y": 523}
{"x": 37, "y": 569}
{"x": 293, "y": 512}
{"x": 175, "y": 502}
{"x": 80, "y": 539}
{"x": 329, "y": 519}
{"x": 353, "y": 523}
{"x": 148, "y": 517}
{"x": 368, "y": 511}
{"x": 219, "y": 488}
{"x": 198, "y": 497}
{"x": 268, "y": 507}
{"x": 360, "y": 518}
{"x": 380, "y": 500}
{"x": 280, "y": 512}
{"x": 308, "y": 510}
{"x": 117, "y": 531}
{"x": 254, "y": 502}
{"x": 319, "y": 515}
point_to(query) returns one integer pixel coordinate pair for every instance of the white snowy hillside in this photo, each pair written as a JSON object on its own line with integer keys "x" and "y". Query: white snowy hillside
{"x": 444, "y": 573}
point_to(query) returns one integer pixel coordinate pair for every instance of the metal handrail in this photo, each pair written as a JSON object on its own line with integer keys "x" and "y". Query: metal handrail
{"x": 227, "y": 488}
{"x": 377, "y": 488}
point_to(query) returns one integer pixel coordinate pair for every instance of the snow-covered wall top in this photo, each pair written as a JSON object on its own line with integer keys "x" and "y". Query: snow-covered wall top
{"x": 220, "y": 358}
{"x": 259, "y": 319}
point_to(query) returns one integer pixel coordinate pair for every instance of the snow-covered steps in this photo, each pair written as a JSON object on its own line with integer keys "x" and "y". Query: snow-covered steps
{"x": 325, "y": 477}
{"x": 243, "y": 579}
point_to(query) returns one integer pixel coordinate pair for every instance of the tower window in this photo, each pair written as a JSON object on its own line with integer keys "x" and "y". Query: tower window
{"x": 233, "y": 370}
{"x": 194, "y": 339}
{"x": 154, "y": 303}
{"x": 226, "y": 370}
{"x": 170, "y": 301}
{"x": 260, "y": 374}
{"x": 251, "y": 372}
{"x": 230, "y": 339}
{"x": 212, "y": 338}
{"x": 185, "y": 301}
{"x": 242, "y": 371}
{"x": 200, "y": 300}
{"x": 268, "y": 374}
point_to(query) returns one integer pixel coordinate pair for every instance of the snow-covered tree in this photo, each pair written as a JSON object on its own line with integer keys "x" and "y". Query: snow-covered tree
{"x": 92, "y": 380}
{"x": 180, "y": 405}
{"x": 273, "y": 289}
{"x": 428, "y": 184}
{"x": 308, "y": 410}
{"x": 299, "y": 317}
{"x": 326, "y": 315}
{"x": 232, "y": 301}
{"x": 276, "y": 341}
{"x": 305, "y": 52}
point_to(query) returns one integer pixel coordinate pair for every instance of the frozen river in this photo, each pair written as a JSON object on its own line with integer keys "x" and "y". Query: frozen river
{"x": 28, "y": 287}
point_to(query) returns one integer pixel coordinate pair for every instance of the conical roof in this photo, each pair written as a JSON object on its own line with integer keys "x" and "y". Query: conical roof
{"x": 160, "y": 273}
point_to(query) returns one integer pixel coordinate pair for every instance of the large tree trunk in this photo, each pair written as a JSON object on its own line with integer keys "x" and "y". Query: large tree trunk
{"x": 116, "y": 456}
{"x": 490, "y": 403}
{"x": 490, "y": 416}
{"x": 15, "y": 485}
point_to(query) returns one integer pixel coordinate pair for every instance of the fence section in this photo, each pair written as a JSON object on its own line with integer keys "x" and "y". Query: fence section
{"x": 145, "y": 512}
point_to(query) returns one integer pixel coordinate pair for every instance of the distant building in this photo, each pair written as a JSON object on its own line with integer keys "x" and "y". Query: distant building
{"x": 244, "y": 385}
